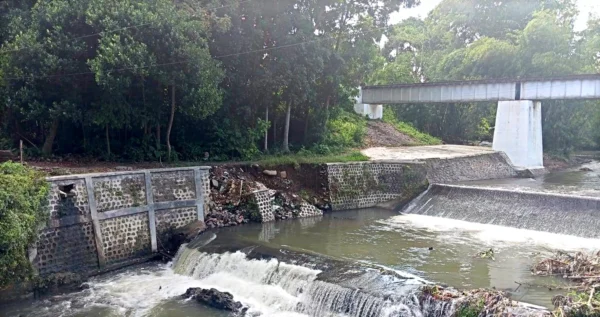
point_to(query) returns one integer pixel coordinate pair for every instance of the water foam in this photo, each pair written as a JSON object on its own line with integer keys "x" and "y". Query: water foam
{"x": 553, "y": 213}
{"x": 451, "y": 229}
{"x": 270, "y": 287}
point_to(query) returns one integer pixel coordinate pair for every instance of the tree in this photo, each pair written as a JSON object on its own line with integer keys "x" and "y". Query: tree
{"x": 465, "y": 40}
{"x": 119, "y": 79}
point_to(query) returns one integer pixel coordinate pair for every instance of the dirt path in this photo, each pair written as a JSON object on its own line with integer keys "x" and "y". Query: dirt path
{"x": 381, "y": 134}
{"x": 424, "y": 152}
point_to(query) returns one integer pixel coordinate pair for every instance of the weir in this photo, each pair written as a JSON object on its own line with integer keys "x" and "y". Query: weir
{"x": 554, "y": 213}
{"x": 285, "y": 288}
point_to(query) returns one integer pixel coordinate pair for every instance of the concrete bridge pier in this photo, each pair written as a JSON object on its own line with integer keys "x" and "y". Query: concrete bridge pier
{"x": 372, "y": 111}
{"x": 518, "y": 132}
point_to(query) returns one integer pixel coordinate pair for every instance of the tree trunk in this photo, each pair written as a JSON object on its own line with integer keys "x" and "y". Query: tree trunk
{"x": 84, "y": 138}
{"x": 326, "y": 114}
{"x": 158, "y": 136}
{"x": 267, "y": 131}
{"x": 47, "y": 148}
{"x": 275, "y": 130}
{"x": 171, "y": 121}
{"x": 107, "y": 139}
{"x": 286, "y": 130}
{"x": 306, "y": 126}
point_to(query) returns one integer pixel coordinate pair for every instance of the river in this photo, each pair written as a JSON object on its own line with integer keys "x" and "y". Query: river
{"x": 581, "y": 181}
{"x": 420, "y": 248}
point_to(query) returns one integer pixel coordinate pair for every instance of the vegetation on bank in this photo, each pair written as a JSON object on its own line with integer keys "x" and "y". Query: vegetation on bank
{"x": 406, "y": 128}
{"x": 310, "y": 158}
{"x": 23, "y": 197}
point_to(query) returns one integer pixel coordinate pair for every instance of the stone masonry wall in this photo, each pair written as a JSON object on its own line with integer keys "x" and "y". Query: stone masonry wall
{"x": 105, "y": 221}
{"x": 485, "y": 166}
{"x": 366, "y": 184}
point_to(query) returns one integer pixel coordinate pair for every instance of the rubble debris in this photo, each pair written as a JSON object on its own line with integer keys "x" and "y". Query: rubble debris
{"x": 270, "y": 172}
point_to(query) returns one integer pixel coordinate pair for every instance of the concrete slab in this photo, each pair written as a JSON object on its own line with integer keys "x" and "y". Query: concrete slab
{"x": 424, "y": 152}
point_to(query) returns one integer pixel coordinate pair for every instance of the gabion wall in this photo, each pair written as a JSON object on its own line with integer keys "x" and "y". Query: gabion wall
{"x": 366, "y": 184}
{"x": 484, "y": 166}
{"x": 64, "y": 205}
{"x": 125, "y": 237}
{"x": 105, "y": 221}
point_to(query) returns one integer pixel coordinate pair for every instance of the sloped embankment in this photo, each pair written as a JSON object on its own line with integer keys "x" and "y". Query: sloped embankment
{"x": 382, "y": 134}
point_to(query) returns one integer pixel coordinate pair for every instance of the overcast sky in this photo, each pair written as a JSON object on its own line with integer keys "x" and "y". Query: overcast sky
{"x": 585, "y": 8}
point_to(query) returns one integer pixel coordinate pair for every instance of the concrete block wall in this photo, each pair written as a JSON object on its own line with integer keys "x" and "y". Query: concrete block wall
{"x": 367, "y": 184}
{"x": 264, "y": 200}
{"x": 468, "y": 168}
{"x": 104, "y": 221}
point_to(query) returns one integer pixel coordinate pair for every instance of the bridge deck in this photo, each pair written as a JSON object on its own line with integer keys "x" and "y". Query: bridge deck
{"x": 558, "y": 88}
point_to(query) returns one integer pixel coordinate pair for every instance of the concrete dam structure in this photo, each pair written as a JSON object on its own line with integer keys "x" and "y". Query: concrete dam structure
{"x": 554, "y": 213}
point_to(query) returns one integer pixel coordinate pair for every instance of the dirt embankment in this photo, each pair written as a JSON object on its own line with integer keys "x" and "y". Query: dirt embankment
{"x": 556, "y": 164}
{"x": 289, "y": 186}
{"x": 381, "y": 134}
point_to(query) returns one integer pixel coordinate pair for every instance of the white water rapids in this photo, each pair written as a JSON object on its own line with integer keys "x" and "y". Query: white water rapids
{"x": 273, "y": 288}
{"x": 267, "y": 288}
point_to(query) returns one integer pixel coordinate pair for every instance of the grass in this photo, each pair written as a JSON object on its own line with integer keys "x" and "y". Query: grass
{"x": 296, "y": 159}
{"x": 406, "y": 128}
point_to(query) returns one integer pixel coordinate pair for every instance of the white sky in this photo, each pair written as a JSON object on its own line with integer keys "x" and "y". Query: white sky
{"x": 585, "y": 8}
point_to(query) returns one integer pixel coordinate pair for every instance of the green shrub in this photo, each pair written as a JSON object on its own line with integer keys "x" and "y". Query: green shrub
{"x": 345, "y": 131}
{"x": 406, "y": 128}
{"x": 23, "y": 194}
{"x": 307, "y": 157}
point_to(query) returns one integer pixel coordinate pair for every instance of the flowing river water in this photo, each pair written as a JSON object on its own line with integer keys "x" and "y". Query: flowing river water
{"x": 417, "y": 249}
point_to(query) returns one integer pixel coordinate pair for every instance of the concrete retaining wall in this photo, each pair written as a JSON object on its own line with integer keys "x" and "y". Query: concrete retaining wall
{"x": 468, "y": 168}
{"x": 367, "y": 184}
{"x": 104, "y": 221}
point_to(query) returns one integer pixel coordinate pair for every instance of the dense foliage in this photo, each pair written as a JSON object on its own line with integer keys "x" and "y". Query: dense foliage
{"x": 166, "y": 79}
{"x": 174, "y": 79}
{"x": 23, "y": 193}
{"x": 486, "y": 39}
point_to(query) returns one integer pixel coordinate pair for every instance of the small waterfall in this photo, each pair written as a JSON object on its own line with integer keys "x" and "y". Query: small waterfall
{"x": 274, "y": 287}
{"x": 555, "y": 213}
